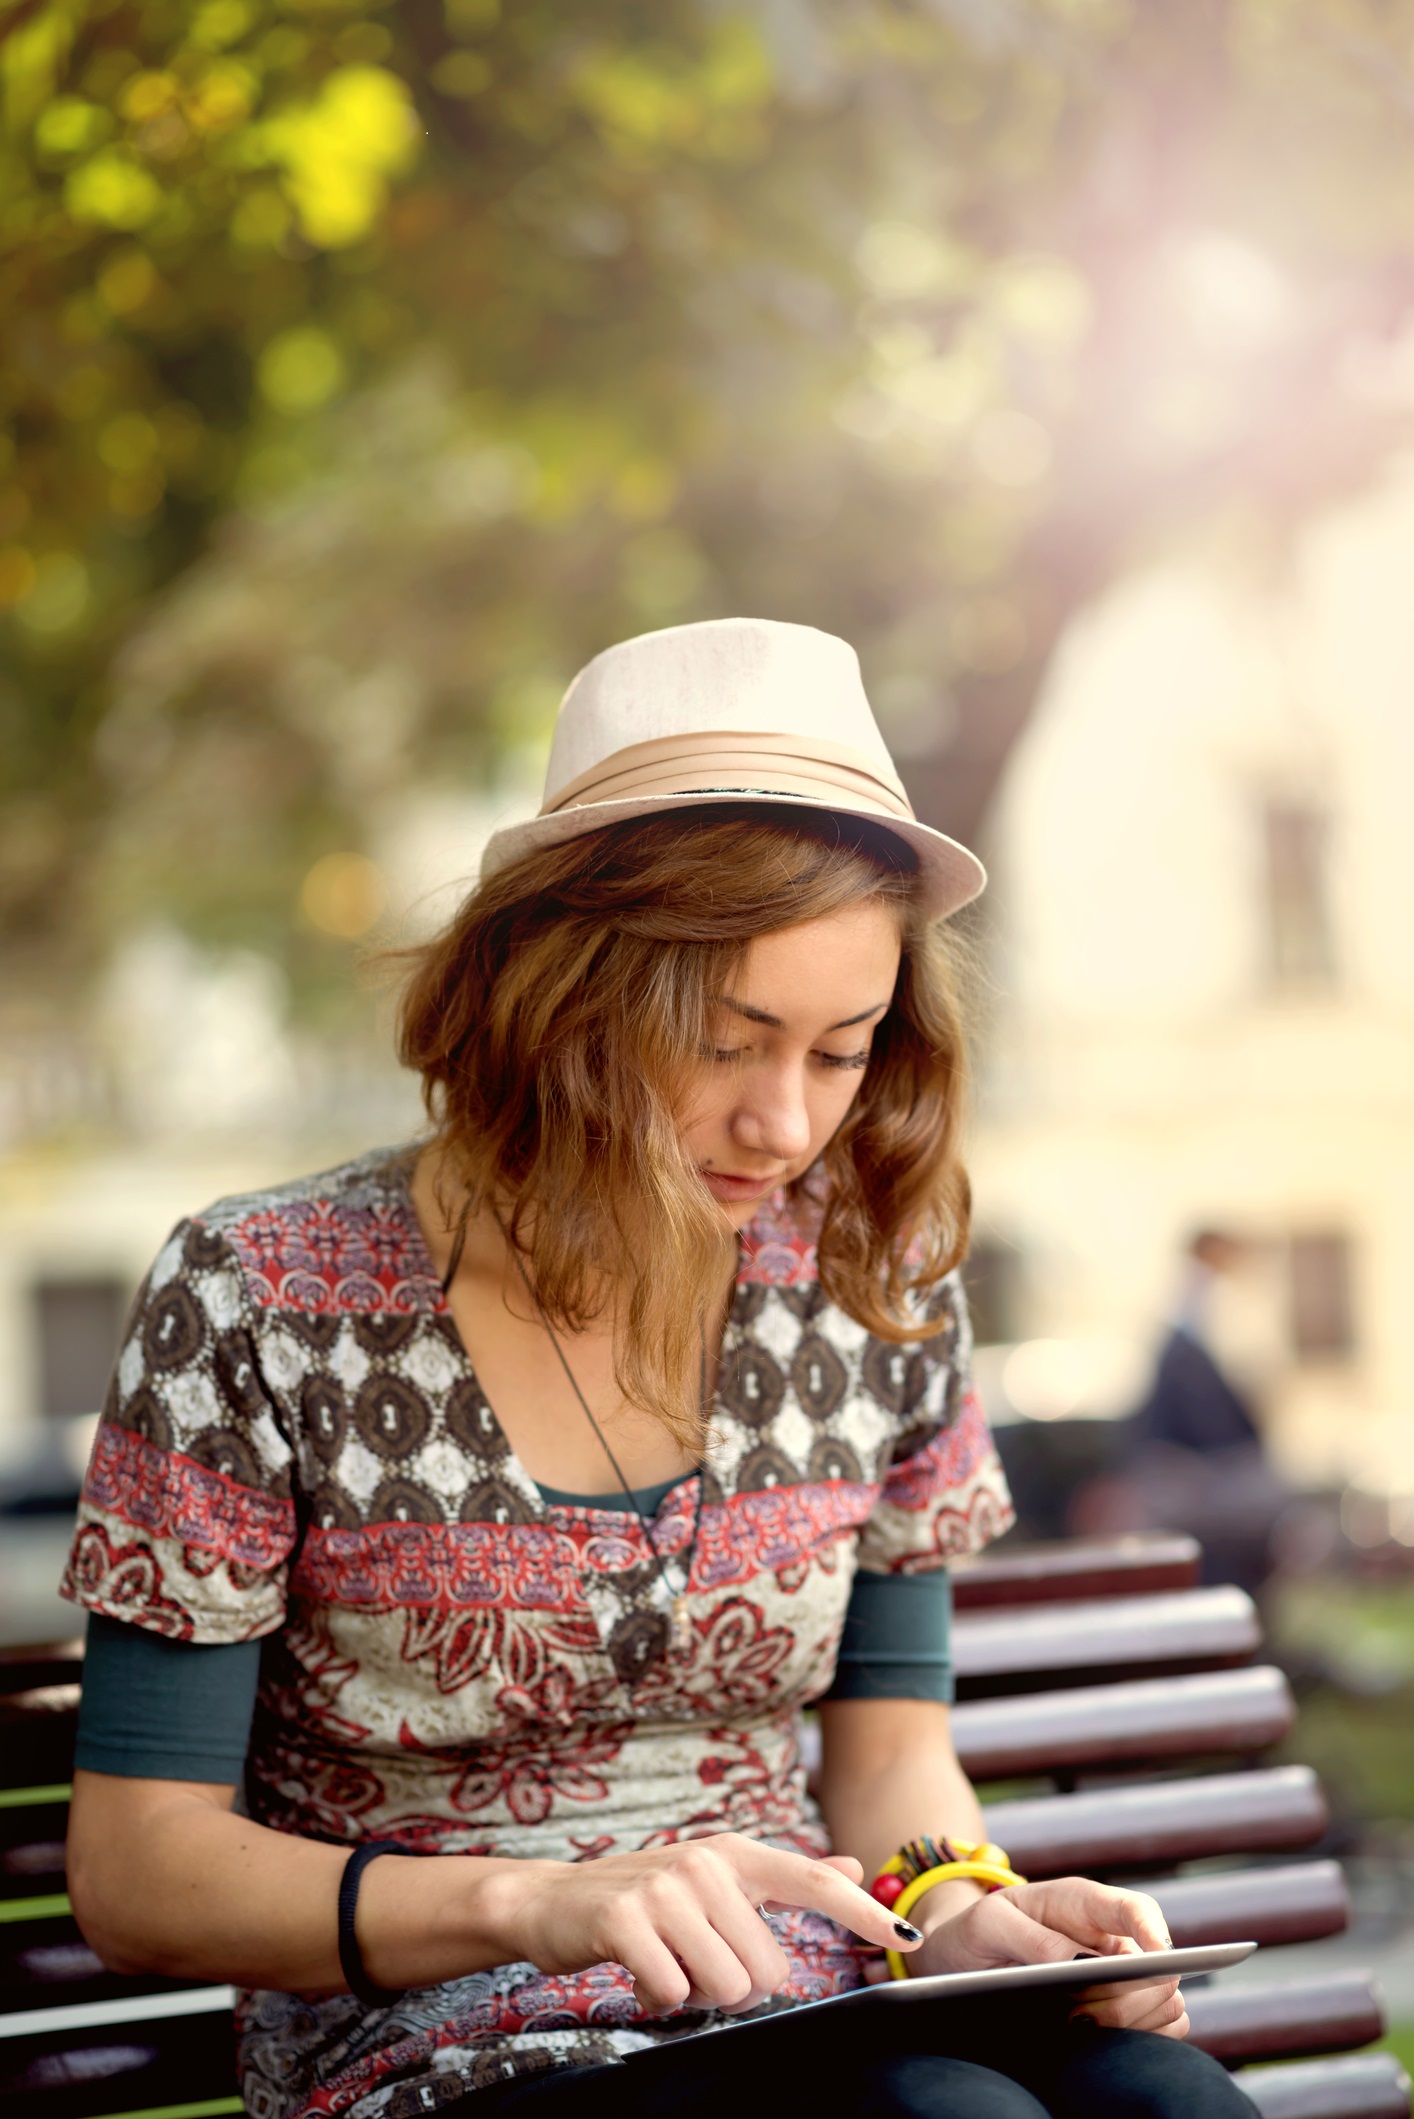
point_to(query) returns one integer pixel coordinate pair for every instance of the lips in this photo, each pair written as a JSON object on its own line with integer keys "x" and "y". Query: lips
{"x": 727, "y": 1187}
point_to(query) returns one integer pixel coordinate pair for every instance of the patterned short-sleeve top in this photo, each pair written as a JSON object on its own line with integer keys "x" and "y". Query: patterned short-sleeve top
{"x": 295, "y": 1447}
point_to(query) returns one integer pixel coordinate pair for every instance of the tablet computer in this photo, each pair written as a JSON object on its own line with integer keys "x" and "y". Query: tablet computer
{"x": 1019, "y": 1978}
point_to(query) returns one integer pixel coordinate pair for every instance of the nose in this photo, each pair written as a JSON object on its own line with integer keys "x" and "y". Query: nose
{"x": 772, "y": 1117}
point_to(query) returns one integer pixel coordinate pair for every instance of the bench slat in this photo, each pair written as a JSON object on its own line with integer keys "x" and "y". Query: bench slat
{"x": 1296, "y": 1903}
{"x": 37, "y": 1730}
{"x": 1359, "y": 2086}
{"x": 1071, "y": 1643}
{"x": 1078, "y": 1567}
{"x": 49, "y": 1663}
{"x": 46, "y": 1964}
{"x": 1241, "y": 2022}
{"x": 1105, "y": 1725}
{"x": 124, "y": 2068}
{"x": 1153, "y": 1822}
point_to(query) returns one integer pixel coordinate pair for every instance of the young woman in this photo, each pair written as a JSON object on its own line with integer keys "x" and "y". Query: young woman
{"x": 502, "y": 1499}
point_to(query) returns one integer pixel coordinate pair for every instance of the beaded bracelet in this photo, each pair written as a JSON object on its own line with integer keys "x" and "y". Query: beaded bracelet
{"x": 918, "y": 1856}
{"x": 924, "y": 1863}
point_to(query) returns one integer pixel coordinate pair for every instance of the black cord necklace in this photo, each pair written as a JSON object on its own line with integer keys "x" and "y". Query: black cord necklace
{"x": 680, "y": 1630}
{"x": 680, "y": 1634}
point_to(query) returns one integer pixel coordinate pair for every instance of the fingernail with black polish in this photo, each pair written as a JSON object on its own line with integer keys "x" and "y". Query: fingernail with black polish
{"x": 906, "y": 1932}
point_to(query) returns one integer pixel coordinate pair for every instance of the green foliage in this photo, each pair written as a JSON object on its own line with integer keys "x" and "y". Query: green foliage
{"x": 1356, "y": 1722}
{"x": 487, "y": 335}
{"x": 1399, "y": 2040}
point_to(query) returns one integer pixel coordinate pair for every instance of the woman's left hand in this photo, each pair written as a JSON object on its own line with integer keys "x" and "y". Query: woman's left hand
{"x": 1045, "y": 1923}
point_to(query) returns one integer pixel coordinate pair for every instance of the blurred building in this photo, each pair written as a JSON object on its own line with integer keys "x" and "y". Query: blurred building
{"x": 191, "y": 1074}
{"x": 1203, "y": 1005}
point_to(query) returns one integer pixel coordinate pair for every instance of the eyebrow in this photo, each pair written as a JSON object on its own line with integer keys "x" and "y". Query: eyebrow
{"x": 773, "y": 1022}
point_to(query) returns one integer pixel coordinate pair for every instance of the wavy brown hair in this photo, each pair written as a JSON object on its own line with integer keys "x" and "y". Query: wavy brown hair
{"x": 558, "y": 1017}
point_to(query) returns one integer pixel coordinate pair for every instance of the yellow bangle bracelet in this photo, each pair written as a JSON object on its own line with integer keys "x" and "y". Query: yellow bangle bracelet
{"x": 998, "y": 1874}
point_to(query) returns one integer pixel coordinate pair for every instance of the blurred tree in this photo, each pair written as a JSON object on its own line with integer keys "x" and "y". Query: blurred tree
{"x": 482, "y": 340}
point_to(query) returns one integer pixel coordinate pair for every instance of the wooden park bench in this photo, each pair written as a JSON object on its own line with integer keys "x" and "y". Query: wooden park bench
{"x": 1121, "y": 1696}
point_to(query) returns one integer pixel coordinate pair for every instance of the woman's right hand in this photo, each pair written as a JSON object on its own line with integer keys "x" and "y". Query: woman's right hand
{"x": 685, "y": 1920}
{"x": 1046, "y": 1923}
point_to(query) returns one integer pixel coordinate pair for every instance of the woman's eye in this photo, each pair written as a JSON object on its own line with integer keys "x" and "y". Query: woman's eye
{"x": 726, "y": 1052}
{"x": 846, "y": 1059}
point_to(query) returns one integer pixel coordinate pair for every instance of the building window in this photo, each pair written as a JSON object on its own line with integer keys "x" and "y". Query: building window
{"x": 1322, "y": 1312}
{"x": 1300, "y": 942}
{"x": 79, "y": 1323}
{"x": 990, "y": 1277}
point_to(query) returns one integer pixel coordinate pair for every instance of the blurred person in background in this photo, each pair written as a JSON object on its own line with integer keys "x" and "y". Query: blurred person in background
{"x": 1197, "y": 1458}
{"x": 503, "y": 1497}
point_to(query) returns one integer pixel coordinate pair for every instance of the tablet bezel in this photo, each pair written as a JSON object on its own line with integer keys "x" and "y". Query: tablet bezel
{"x": 1019, "y": 1979}
{"x": 1070, "y": 1972}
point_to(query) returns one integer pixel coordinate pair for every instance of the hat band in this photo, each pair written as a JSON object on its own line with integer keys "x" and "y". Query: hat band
{"x": 680, "y": 765}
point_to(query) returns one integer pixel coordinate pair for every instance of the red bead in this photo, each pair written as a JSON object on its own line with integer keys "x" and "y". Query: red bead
{"x": 886, "y": 1889}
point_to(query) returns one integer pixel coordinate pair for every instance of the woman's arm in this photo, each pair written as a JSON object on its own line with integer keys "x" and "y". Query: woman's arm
{"x": 165, "y": 1877}
{"x": 890, "y": 1773}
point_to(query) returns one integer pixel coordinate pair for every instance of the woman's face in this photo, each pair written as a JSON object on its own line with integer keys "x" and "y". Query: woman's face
{"x": 792, "y": 1038}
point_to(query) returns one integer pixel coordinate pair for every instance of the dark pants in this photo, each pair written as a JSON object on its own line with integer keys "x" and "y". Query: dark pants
{"x": 911, "y": 2062}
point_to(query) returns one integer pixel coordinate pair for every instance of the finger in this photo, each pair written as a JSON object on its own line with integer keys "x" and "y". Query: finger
{"x": 847, "y": 1866}
{"x": 1133, "y": 2008}
{"x": 1169, "y": 2019}
{"x": 659, "y": 1981}
{"x": 1165, "y": 2016}
{"x": 1131, "y": 1994}
{"x": 845, "y": 1863}
{"x": 1165, "y": 2009}
{"x": 795, "y": 1880}
{"x": 716, "y": 1975}
{"x": 751, "y": 1942}
{"x": 1142, "y": 1917}
{"x": 1007, "y": 1934}
{"x": 1094, "y": 1913}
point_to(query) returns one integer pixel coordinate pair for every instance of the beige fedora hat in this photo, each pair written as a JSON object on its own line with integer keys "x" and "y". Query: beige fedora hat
{"x": 732, "y": 709}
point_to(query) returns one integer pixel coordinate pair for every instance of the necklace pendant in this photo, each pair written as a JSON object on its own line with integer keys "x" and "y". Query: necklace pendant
{"x": 681, "y": 1637}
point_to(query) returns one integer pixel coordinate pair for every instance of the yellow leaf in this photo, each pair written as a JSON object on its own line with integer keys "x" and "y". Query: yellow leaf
{"x": 339, "y": 151}
{"x": 221, "y": 22}
{"x": 300, "y": 370}
{"x": 112, "y": 190}
{"x": 148, "y": 95}
{"x": 68, "y": 125}
{"x": 222, "y": 97}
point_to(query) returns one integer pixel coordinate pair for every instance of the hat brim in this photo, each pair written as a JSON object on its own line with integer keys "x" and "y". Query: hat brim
{"x": 951, "y": 875}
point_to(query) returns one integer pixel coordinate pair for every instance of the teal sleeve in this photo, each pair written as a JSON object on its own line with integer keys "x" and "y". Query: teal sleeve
{"x": 897, "y": 1640}
{"x": 154, "y": 1709}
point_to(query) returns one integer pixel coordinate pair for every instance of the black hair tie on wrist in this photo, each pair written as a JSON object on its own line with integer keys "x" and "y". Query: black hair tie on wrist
{"x": 350, "y": 1955}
